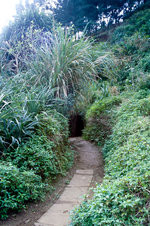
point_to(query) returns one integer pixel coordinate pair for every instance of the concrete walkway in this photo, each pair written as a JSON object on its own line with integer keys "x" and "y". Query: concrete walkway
{"x": 89, "y": 166}
{"x": 58, "y": 214}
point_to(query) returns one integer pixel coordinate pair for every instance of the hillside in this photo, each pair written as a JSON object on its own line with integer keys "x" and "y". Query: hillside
{"x": 119, "y": 121}
{"x": 49, "y": 82}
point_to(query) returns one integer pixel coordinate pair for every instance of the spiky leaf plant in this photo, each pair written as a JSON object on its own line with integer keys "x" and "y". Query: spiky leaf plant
{"x": 62, "y": 62}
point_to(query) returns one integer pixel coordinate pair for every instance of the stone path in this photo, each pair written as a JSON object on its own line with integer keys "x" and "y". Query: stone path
{"x": 58, "y": 214}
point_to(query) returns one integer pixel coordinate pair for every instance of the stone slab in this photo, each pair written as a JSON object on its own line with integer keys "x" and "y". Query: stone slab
{"x": 40, "y": 224}
{"x": 84, "y": 172}
{"x": 62, "y": 208}
{"x": 54, "y": 219}
{"x": 73, "y": 194}
{"x": 81, "y": 180}
{"x": 58, "y": 214}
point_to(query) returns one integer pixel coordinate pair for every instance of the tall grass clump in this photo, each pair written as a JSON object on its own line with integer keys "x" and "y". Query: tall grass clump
{"x": 61, "y": 62}
{"x": 55, "y": 68}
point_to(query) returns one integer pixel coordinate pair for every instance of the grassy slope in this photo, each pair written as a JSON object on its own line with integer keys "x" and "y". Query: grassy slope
{"x": 123, "y": 197}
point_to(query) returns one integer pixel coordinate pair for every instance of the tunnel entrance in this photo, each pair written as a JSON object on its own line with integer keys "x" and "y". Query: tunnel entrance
{"x": 76, "y": 125}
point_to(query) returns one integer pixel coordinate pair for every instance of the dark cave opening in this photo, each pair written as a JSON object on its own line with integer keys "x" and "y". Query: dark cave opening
{"x": 76, "y": 125}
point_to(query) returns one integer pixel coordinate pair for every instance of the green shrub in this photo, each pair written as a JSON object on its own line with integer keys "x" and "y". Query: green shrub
{"x": 16, "y": 188}
{"x": 122, "y": 32}
{"x": 135, "y": 46}
{"x": 141, "y": 94}
{"x": 37, "y": 155}
{"x": 123, "y": 197}
{"x": 135, "y": 107}
{"x": 131, "y": 45}
{"x": 97, "y": 125}
{"x": 137, "y": 80}
{"x": 119, "y": 202}
{"x": 144, "y": 63}
{"x": 43, "y": 157}
{"x": 47, "y": 153}
{"x": 143, "y": 82}
{"x": 101, "y": 106}
{"x": 36, "y": 161}
{"x": 54, "y": 125}
{"x": 139, "y": 22}
{"x": 136, "y": 146}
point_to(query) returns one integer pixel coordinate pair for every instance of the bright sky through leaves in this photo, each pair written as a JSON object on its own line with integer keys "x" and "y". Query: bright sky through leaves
{"x": 7, "y": 11}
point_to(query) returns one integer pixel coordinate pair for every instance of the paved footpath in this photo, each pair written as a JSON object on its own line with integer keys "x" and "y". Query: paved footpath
{"x": 58, "y": 214}
{"x": 89, "y": 163}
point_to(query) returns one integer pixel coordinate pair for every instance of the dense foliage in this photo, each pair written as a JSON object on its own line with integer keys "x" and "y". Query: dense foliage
{"x": 41, "y": 70}
{"x": 139, "y": 24}
{"x": 29, "y": 168}
{"x": 93, "y": 14}
{"x": 124, "y": 61}
{"x": 45, "y": 75}
{"x": 97, "y": 120}
{"x": 123, "y": 197}
{"x": 16, "y": 188}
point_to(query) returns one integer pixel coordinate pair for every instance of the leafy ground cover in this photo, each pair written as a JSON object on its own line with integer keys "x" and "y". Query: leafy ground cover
{"x": 118, "y": 119}
{"x": 97, "y": 120}
{"x": 28, "y": 171}
{"x": 123, "y": 197}
{"x": 17, "y": 187}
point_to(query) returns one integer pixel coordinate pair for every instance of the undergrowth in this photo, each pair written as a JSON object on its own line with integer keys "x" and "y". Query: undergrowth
{"x": 121, "y": 124}
{"x": 28, "y": 171}
{"x": 123, "y": 197}
{"x": 16, "y": 188}
{"x": 44, "y": 71}
{"x": 97, "y": 119}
